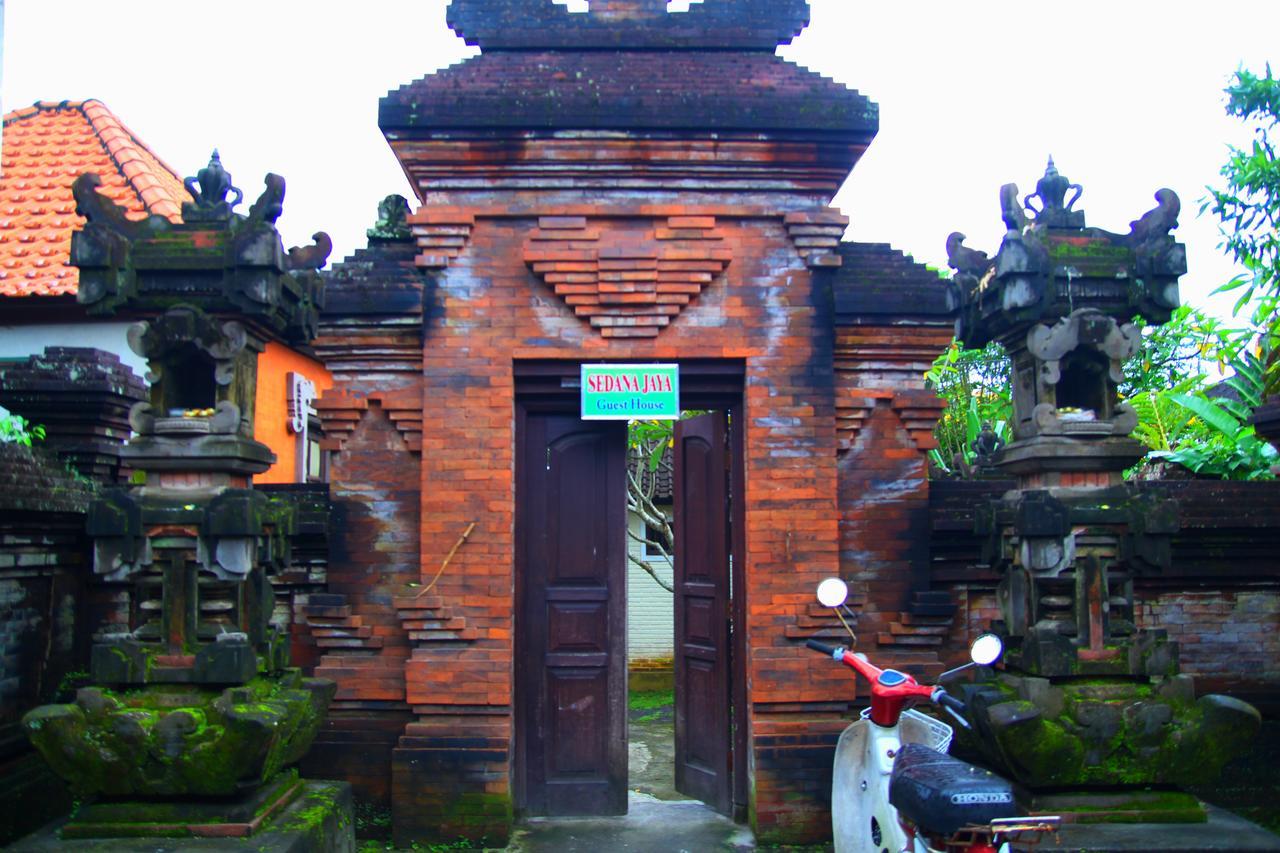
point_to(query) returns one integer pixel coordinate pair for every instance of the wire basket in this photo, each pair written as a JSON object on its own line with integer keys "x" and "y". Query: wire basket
{"x": 916, "y": 727}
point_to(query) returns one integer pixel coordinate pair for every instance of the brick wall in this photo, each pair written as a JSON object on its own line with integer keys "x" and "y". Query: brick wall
{"x": 494, "y": 311}
{"x": 43, "y": 566}
{"x": 1229, "y": 639}
{"x": 836, "y": 427}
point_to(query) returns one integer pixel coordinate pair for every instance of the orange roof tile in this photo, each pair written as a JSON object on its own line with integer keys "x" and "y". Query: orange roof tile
{"x": 46, "y": 146}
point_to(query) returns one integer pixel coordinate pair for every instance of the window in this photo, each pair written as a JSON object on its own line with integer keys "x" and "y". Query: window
{"x": 312, "y": 461}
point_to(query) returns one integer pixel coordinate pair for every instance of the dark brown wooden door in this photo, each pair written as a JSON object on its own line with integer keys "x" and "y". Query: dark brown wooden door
{"x": 571, "y": 634}
{"x": 702, "y": 611}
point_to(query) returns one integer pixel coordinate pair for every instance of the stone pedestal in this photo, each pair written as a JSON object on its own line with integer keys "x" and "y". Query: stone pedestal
{"x": 318, "y": 817}
{"x": 1106, "y": 733}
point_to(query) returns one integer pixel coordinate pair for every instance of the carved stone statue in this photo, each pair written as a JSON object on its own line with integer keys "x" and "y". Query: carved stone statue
{"x": 392, "y": 213}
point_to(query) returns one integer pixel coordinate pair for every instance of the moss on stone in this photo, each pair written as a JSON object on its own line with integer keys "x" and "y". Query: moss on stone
{"x": 170, "y": 740}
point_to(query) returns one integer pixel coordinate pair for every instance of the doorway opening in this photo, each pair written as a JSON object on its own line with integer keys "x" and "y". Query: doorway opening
{"x": 572, "y": 753}
{"x": 652, "y": 593}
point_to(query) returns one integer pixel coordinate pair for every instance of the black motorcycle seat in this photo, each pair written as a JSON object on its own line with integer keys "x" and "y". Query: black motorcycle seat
{"x": 940, "y": 794}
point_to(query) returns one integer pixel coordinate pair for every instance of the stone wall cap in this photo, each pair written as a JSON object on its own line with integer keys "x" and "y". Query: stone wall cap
{"x": 628, "y": 24}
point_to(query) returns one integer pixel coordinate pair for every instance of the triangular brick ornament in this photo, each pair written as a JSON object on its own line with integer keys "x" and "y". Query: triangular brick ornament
{"x": 627, "y": 282}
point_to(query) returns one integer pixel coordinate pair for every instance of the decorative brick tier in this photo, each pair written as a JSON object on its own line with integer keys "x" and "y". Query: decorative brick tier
{"x": 627, "y": 283}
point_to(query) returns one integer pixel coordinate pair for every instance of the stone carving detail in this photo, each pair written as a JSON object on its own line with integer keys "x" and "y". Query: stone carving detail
{"x": 1059, "y": 296}
{"x": 311, "y": 257}
{"x": 185, "y": 327}
{"x": 1055, "y": 209}
{"x": 270, "y": 205}
{"x": 623, "y": 284}
{"x": 986, "y": 445}
{"x": 1066, "y": 346}
{"x": 209, "y": 189}
{"x": 393, "y": 212}
{"x": 238, "y": 257}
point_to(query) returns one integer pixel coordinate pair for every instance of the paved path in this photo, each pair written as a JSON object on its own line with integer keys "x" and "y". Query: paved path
{"x": 650, "y": 826}
{"x": 659, "y": 819}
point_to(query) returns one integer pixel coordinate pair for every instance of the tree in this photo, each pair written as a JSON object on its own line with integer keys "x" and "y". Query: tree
{"x": 1248, "y": 211}
{"x": 648, "y": 443}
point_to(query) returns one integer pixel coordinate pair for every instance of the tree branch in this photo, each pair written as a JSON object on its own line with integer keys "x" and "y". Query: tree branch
{"x": 652, "y": 573}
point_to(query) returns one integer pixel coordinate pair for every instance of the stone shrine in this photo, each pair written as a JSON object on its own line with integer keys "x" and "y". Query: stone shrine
{"x": 1090, "y": 698}
{"x": 194, "y": 720}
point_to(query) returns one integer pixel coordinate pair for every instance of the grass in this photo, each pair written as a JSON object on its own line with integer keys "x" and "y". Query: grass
{"x": 650, "y": 700}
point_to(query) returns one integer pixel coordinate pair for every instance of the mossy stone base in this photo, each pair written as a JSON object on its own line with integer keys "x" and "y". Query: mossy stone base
{"x": 1087, "y": 733}
{"x": 236, "y": 816}
{"x": 170, "y": 741}
{"x": 319, "y": 820}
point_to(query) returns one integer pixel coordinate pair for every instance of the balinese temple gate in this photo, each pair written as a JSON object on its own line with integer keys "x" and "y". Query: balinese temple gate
{"x": 623, "y": 185}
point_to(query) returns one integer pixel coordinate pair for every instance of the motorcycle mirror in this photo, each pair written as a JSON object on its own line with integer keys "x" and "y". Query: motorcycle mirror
{"x": 986, "y": 649}
{"x": 833, "y": 592}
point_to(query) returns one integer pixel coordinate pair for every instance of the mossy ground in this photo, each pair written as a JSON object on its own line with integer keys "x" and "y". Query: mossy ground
{"x": 649, "y": 706}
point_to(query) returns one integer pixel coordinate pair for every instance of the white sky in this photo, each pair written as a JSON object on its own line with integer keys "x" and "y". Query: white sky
{"x": 1126, "y": 95}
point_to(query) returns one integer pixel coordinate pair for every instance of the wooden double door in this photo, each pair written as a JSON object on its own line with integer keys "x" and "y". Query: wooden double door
{"x": 570, "y": 654}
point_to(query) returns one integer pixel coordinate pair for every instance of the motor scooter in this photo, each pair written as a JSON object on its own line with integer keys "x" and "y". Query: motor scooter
{"x": 894, "y": 789}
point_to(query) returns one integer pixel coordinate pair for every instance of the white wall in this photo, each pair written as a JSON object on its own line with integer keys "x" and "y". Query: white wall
{"x": 650, "y": 610}
{"x": 18, "y": 342}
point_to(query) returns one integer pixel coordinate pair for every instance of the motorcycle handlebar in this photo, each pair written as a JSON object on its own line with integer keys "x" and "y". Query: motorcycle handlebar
{"x": 948, "y": 701}
{"x": 829, "y": 651}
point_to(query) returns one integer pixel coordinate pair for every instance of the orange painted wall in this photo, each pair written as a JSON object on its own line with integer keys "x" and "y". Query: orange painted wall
{"x": 271, "y": 419}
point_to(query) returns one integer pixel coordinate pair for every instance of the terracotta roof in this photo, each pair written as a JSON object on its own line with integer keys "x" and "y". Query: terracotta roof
{"x": 46, "y": 146}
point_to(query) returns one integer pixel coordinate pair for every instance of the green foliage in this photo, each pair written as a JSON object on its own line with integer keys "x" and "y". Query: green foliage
{"x": 1248, "y": 211}
{"x": 975, "y": 387}
{"x": 15, "y": 429}
{"x": 1248, "y": 206}
{"x": 648, "y": 700}
{"x": 1182, "y": 417}
{"x": 1186, "y": 418}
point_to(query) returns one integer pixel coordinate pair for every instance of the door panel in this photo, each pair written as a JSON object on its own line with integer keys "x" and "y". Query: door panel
{"x": 571, "y": 636}
{"x": 702, "y": 611}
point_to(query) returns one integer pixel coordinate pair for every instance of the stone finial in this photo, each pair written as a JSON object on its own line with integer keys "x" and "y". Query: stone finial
{"x": 209, "y": 189}
{"x": 1055, "y": 210}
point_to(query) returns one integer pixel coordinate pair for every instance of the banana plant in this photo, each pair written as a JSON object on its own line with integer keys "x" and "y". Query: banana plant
{"x": 1216, "y": 439}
